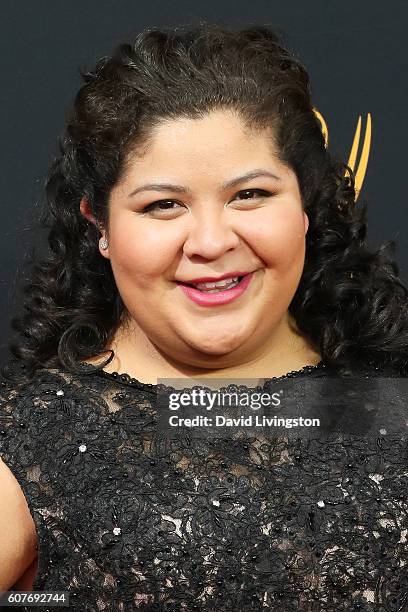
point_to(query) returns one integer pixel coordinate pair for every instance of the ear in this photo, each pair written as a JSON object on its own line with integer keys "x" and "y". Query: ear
{"x": 85, "y": 210}
{"x": 306, "y": 221}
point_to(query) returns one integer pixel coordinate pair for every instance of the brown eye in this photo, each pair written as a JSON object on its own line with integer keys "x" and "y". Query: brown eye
{"x": 162, "y": 206}
{"x": 157, "y": 206}
{"x": 251, "y": 191}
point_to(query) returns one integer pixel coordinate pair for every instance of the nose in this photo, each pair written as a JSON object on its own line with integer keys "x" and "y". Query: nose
{"x": 210, "y": 235}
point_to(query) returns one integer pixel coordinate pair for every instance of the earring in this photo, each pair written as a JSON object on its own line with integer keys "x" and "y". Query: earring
{"x": 103, "y": 243}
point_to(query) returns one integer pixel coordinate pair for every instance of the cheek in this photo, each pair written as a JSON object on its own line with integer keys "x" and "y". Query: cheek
{"x": 280, "y": 239}
{"x": 142, "y": 252}
{"x": 139, "y": 250}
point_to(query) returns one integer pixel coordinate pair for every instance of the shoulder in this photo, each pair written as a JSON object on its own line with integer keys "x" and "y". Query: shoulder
{"x": 29, "y": 405}
{"x": 34, "y": 410}
{"x": 18, "y": 536}
{"x": 21, "y": 395}
{"x": 17, "y": 528}
{"x": 17, "y": 386}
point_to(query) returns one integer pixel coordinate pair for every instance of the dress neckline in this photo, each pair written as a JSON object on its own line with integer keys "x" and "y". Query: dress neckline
{"x": 126, "y": 379}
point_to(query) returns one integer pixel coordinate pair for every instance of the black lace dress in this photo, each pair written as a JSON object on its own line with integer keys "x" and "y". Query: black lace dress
{"x": 128, "y": 519}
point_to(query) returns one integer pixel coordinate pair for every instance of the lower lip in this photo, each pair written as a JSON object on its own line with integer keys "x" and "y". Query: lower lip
{"x": 216, "y": 299}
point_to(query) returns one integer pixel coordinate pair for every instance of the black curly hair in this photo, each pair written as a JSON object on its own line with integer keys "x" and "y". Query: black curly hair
{"x": 350, "y": 302}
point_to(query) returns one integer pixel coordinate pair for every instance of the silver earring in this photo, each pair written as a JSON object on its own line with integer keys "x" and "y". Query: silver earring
{"x": 103, "y": 243}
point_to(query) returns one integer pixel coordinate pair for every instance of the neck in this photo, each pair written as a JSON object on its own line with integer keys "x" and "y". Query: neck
{"x": 286, "y": 351}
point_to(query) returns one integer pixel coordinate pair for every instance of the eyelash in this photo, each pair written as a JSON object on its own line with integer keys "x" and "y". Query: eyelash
{"x": 154, "y": 205}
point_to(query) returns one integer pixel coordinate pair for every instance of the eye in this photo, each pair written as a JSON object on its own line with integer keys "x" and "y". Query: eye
{"x": 167, "y": 204}
{"x": 156, "y": 205}
{"x": 259, "y": 191}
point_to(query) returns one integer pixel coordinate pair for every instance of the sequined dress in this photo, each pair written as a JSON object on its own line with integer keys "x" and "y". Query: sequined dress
{"x": 128, "y": 519}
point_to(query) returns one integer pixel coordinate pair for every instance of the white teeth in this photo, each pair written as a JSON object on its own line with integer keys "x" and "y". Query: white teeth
{"x": 223, "y": 283}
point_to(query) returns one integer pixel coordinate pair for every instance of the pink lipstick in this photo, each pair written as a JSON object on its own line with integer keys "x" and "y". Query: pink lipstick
{"x": 220, "y": 297}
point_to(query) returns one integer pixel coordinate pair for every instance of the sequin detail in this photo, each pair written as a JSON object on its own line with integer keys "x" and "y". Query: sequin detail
{"x": 143, "y": 521}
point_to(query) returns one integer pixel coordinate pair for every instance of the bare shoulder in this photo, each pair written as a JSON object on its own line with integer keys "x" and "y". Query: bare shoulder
{"x": 18, "y": 535}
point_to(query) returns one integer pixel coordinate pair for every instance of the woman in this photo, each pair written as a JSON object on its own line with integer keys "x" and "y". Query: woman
{"x": 195, "y": 155}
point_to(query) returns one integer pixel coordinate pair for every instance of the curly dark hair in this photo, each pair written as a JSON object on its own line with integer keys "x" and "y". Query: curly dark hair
{"x": 350, "y": 302}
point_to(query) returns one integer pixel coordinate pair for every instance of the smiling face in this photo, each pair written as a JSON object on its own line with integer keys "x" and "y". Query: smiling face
{"x": 202, "y": 227}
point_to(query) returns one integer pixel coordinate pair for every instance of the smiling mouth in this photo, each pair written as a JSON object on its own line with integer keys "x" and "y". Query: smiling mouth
{"x": 220, "y": 288}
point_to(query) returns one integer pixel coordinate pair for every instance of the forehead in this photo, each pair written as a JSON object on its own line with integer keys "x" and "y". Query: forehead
{"x": 221, "y": 132}
{"x": 196, "y": 156}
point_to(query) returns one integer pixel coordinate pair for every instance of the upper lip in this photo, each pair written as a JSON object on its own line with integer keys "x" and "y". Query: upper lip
{"x": 209, "y": 279}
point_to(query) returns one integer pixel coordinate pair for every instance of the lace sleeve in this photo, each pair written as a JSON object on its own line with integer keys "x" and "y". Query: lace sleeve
{"x": 26, "y": 417}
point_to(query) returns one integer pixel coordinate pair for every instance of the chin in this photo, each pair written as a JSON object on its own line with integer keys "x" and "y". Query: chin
{"x": 214, "y": 345}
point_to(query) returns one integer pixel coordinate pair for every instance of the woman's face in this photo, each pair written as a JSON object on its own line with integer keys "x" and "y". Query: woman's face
{"x": 207, "y": 228}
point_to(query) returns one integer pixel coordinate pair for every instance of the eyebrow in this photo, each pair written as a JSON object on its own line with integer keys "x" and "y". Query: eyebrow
{"x": 180, "y": 189}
